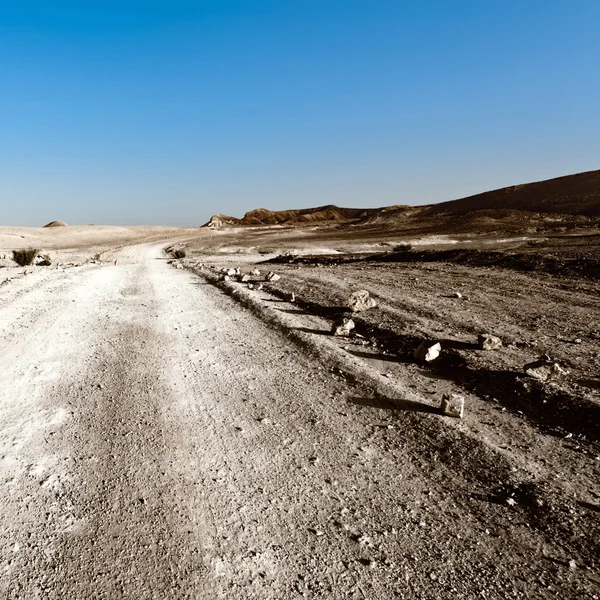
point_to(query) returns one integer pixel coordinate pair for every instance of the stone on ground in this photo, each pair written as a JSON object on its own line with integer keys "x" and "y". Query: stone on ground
{"x": 360, "y": 300}
{"x": 453, "y": 405}
{"x": 489, "y": 342}
{"x": 545, "y": 369}
{"x": 343, "y": 327}
{"x": 428, "y": 351}
{"x": 273, "y": 276}
{"x": 43, "y": 260}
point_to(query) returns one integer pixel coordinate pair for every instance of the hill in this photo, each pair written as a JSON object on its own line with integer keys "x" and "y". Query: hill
{"x": 320, "y": 214}
{"x": 575, "y": 195}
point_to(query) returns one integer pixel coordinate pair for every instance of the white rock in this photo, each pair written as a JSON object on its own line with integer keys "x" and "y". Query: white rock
{"x": 343, "y": 327}
{"x": 360, "y": 300}
{"x": 544, "y": 369}
{"x": 489, "y": 342}
{"x": 428, "y": 351}
{"x": 273, "y": 276}
{"x": 453, "y": 405}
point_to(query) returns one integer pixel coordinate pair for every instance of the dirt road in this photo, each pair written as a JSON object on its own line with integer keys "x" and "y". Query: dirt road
{"x": 158, "y": 440}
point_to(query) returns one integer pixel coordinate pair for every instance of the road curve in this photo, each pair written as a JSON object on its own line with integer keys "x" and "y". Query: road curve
{"x": 159, "y": 441}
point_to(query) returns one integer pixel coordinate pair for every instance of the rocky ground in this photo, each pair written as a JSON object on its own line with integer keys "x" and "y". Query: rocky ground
{"x": 180, "y": 433}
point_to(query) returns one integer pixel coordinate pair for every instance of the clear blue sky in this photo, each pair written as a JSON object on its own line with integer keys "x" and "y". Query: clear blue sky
{"x": 122, "y": 112}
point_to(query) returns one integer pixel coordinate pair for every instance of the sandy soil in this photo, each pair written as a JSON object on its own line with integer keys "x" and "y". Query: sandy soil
{"x": 78, "y": 244}
{"x": 165, "y": 434}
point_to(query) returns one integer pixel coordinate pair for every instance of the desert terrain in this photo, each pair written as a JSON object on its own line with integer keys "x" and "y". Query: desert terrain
{"x": 190, "y": 428}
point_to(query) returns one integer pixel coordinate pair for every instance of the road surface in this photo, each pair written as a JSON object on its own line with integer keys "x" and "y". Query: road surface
{"x": 158, "y": 440}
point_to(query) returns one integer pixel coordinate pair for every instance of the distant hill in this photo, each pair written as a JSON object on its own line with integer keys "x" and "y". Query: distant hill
{"x": 320, "y": 214}
{"x": 576, "y": 195}
{"x": 56, "y": 224}
{"x": 573, "y": 195}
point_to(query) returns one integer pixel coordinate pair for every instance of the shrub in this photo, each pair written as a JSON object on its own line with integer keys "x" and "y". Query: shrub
{"x": 179, "y": 253}
{"x": 24, "y": 257}
{"x": 402, "y": 248}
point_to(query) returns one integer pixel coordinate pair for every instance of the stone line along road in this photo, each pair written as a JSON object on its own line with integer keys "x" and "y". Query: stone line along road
{"x": 159, "y": 441}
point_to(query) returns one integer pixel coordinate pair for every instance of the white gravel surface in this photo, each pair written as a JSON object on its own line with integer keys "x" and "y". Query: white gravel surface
{"x": 158, "y": 440}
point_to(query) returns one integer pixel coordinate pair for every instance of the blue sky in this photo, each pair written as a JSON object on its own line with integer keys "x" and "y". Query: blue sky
{"x": 150, "y": 112}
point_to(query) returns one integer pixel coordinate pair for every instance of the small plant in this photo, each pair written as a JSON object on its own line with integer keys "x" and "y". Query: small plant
{"x": 24, "y": 257}
{"x": 402, "y": 248}
{"x": 179, "y": 253}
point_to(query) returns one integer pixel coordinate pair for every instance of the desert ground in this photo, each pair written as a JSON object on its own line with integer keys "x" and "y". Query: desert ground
{"x": 168, "y": 430}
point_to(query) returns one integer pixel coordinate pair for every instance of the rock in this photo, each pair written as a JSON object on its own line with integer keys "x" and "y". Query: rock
{"x": 489, "y": 342}
{"x": 545, "y": 369}
{"x": 457, "y": 295}
{"x": 453, "y": 405}
{"x": 342, "y": 327}
{"x": 179, "y": 266}
{"x": 251, "y": 286}
{"x": 245, "y": 278}
{"x": 259, "y": 287}
{"x": 290, "y": 297}
{"x": 360, "y": 300}
{"x": 231, "y": 272}
{"x": 43, "y": 260}
{"x": 226, "y": 278}
{"x": 255, "y": 273}
{"x": 428, "y": 351}
{"x": 273, "y": 276}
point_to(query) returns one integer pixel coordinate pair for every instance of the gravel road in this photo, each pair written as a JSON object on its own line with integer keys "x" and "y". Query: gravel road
{"x": 158, "y": 440}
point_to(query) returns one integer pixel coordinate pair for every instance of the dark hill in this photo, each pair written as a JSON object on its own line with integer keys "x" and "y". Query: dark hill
{"x": 573, "y": 194}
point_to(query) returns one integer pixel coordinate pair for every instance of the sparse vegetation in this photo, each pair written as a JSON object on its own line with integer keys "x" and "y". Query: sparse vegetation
{"x": 402, "y": 248}
{"x": 24, "y": 257}
{"x": 180, "y": 253}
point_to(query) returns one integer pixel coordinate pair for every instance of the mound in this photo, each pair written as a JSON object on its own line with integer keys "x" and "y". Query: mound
{"x": 56, "y": 224}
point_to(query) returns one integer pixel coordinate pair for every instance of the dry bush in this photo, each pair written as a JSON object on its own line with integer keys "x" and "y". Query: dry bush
{"x": 179, "y": 253}
{"x": 24, "y": 257}
{"x": 402, "y": 248}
